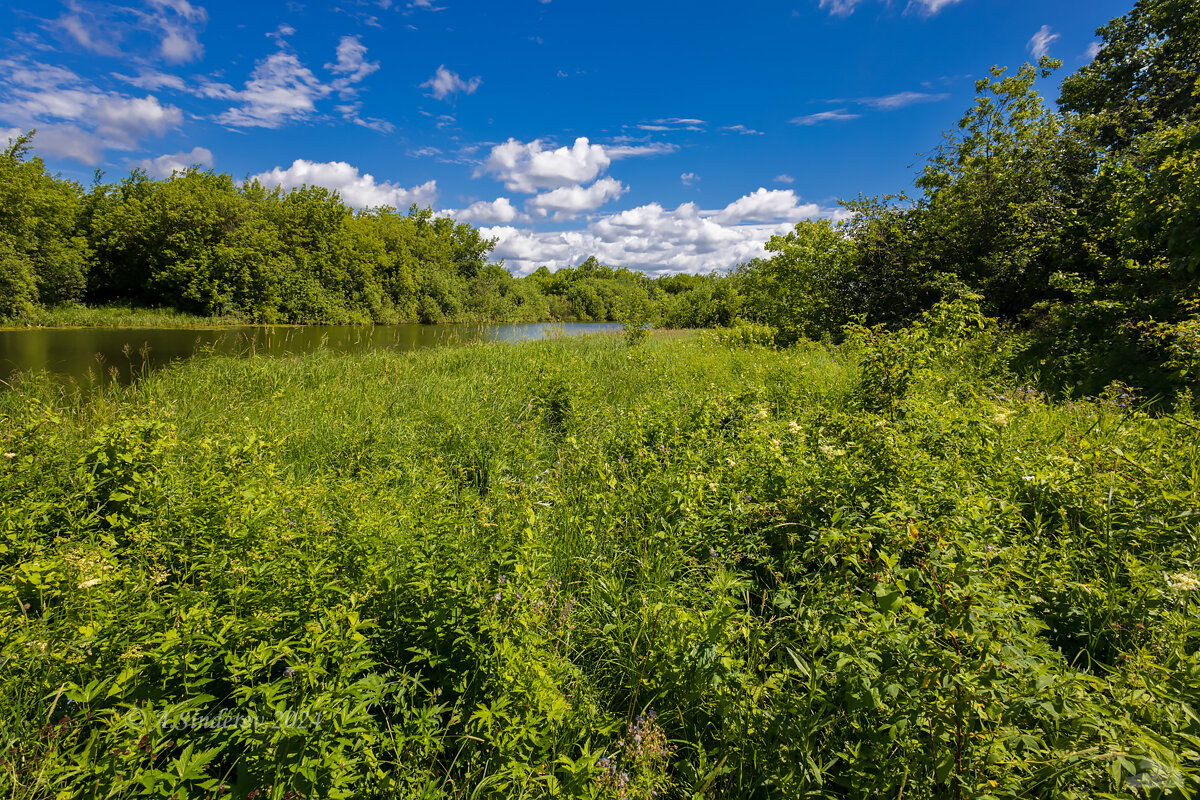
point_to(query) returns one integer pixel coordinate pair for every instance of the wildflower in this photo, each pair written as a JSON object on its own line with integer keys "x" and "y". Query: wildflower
{"x": 794, "y": 426}
{"x": 289, "y": 672}
{"x": 712, "y": 487}
{"x": 1001, "y": 417}
{"x": 10, "y": 455}
{"x": 731, "y": 462}
{"x": 712, "y": 553}
{"x": 503, "y": 579}
{"x": 496, "y": 597}
{"x": 1183, "y": 582}
{"x": 91, "y": 583}
{"x": 775, "y": 444}
{"x": 762, "y": 414}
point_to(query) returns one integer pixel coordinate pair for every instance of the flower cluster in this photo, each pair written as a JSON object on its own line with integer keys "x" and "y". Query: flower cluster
{"x": 1183, "y": 582}
{"x": 640, "y": 767}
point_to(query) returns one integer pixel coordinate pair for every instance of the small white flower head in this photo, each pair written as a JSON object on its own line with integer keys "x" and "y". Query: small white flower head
{"x": 762, "y": 414}
{"x": 731, "y": 462}
{"x": 10, "y": 455}
{"x": 1002, "y": 416}
{"x": 1183, "y": 582}
{"x": 794, "y": 426}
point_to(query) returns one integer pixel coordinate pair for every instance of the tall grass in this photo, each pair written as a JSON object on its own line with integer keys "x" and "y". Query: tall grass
{"x": 578, "y": 568}
{"x": 116, "y": 316}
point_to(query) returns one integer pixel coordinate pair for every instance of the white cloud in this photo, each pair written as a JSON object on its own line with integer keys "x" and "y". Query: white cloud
{"x": 892, "y": 102}
{"x": 351, "y": 65}
{"x": 1092, "y": 51}
{"x": 359, "y": 190}
{"x": 164, "y": 165}
{"x": 844, "y": 8}
{"x": 766, "y": 205}
{"x": 688, "y": 178}
{"x": 497, "y": 212}
{"x": 1039, "y": 43}
{"x": 75, "y": 119}
{"x": 8, "y": 136}
{"x": 837, "y": 115}
{"x": 529, "y": 167}
{"x": 784, "y": 178}
{"x": 445, "y": 83}
{"x": 673, "y": 124}
{"x": 101, "y": 28}
{"x": 742, "y": 129}
{"x": 280, "y": 89}
{"x": 568, "y": 202}
{"x": 930, "y": 7}
{"x": 840, "y": 8}
{"x": 658, "y": 240}
{"x": 151, "y": 80}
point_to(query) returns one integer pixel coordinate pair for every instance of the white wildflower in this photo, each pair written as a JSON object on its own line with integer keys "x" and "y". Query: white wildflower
{"x": 1183, "y": 582}
{"x": 794, "y": 426}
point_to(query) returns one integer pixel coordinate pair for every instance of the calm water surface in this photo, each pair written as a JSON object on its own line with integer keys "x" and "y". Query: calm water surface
{"x": 91, "y": 356}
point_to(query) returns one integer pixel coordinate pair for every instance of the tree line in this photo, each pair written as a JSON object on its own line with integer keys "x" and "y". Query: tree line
{"x": 1079, "y": 225}
{"x": 202, "y": 243}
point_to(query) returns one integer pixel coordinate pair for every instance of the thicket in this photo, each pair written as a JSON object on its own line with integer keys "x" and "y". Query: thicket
{"x": 201, "y": 244}
{"x": 691, "y": 567}
{"x": 1079, "y": 227}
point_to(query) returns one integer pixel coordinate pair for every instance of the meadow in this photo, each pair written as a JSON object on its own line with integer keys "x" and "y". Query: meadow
{"x": 692, "y": 566}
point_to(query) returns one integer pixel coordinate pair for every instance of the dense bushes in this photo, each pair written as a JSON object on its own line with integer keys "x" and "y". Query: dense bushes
{"x": 574, "y": 568}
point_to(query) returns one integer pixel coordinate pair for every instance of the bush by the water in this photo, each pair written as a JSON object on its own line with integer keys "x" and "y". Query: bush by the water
{"x": 581, "y": 569}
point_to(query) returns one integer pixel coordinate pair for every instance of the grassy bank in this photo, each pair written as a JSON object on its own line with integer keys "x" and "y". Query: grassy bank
{"x": 574, "y": 568}
{"x": 81, "y": 316}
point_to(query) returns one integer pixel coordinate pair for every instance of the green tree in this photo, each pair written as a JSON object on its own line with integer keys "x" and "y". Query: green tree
{"x": 1002, "y": 196}
{"x": 45, "y": 258}
{"x": 801, "y": 289}
{"x": 1145, "y": 75}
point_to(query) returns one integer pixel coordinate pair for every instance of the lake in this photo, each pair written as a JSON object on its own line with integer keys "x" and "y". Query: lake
{"x": 91, "y": 356}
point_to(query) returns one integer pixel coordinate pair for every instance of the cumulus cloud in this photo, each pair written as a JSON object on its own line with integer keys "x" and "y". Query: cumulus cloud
{"x": 74, "y": 118}
{"x": 568, "y": 202}
{"x": 280, "y": 89}
{"x": 784, "y": 178}
{"x": 892, "y": 102}
{"x": 766, "y": 205}
{"x": 836, "y": 115}
{"x": 165, "y": 165}
{"x": 660, "y": 240}
{"x": 688, "y": 178}
{"x": 1092, "y": 51}
{"x": 445, "y": 83}
{"x": 360, "y": 190}
{"x": 529, "y": 167}
{"x": 500, "y": 211}
{"x": 1039, "y": 43}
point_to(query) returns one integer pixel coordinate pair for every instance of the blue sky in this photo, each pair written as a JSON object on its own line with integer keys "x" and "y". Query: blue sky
{"x": 658, "y": 135}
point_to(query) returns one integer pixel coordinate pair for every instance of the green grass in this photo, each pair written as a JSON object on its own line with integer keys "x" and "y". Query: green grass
{"x": 690, "y": 568}
{"x": 116, "y": 316}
